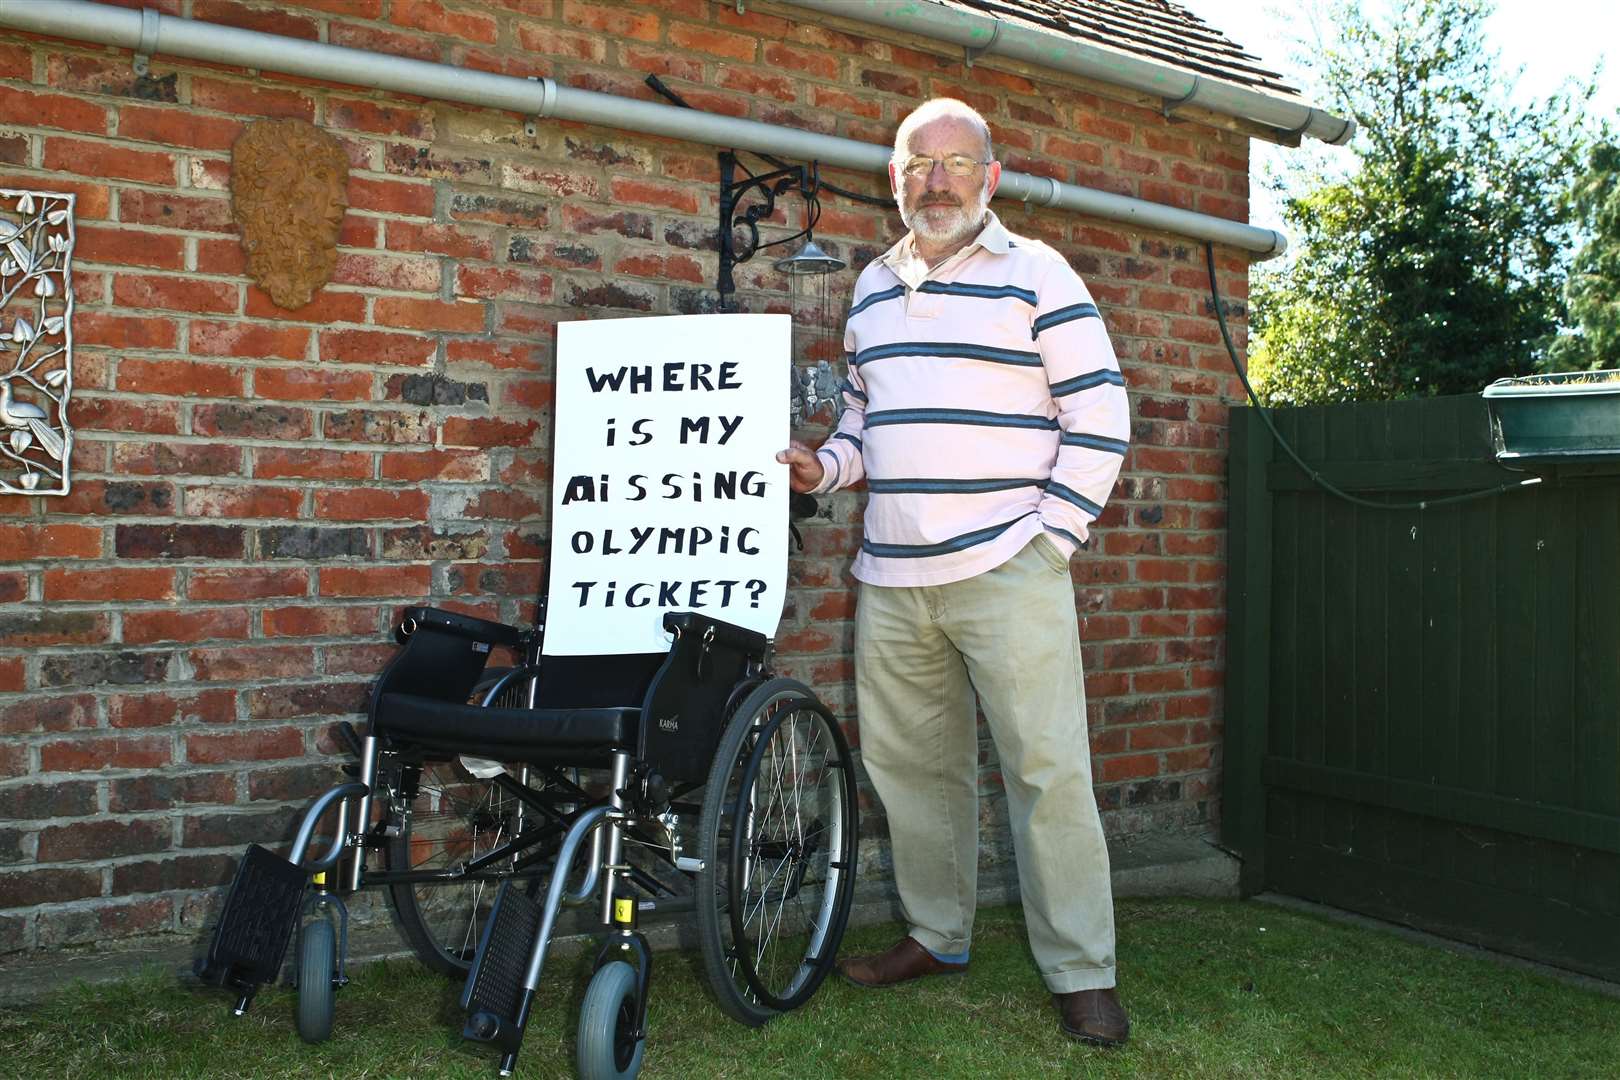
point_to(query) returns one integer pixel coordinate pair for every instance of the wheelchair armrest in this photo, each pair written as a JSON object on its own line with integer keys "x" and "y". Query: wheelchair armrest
{"x": 748, "y": 642}
{"x": 456, "y": 624}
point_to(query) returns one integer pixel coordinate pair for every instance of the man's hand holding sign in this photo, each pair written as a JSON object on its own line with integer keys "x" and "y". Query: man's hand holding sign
{"x": 663, "y": 498}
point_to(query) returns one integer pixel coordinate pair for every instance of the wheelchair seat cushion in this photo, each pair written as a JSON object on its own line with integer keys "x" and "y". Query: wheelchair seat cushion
{"x": 505, "y": 733}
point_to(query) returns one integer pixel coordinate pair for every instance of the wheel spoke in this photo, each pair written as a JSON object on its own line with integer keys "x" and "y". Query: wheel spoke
{"x": 765, "y": 893}
{"x": 453, "y": 819}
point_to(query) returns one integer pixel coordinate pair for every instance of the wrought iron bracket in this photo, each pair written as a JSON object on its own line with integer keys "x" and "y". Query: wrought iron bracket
{"x": 766, "y": 188}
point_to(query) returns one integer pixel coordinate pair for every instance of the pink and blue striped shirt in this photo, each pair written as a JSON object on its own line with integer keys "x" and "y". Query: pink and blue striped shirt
{"x": 984, "y": 406}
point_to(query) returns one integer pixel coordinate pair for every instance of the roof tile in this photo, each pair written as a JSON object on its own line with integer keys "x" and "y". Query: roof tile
{"x": 1154, "y": 29}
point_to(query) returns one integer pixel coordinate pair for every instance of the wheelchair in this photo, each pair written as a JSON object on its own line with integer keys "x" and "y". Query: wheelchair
{"x": 484, "y": 800}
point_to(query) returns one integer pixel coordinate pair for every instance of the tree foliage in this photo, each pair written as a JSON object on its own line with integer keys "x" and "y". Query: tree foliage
{"x": 1593, "y": 289}
{"x": 1435, "y": 266}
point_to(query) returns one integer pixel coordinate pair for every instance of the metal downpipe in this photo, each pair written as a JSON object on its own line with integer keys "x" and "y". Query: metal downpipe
{"x": 123, "y": 28}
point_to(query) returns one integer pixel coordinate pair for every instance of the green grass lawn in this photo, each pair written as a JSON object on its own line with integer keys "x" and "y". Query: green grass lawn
{"x": 1217, "y": 989}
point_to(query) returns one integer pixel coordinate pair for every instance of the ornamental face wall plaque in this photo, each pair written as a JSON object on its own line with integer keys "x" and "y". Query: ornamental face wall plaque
{"x": 36, "y": 341}
{"x": 289, "y": 190}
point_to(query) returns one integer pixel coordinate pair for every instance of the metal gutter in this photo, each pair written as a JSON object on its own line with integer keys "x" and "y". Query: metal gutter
{"x": 147, "y": 32}
{"x": 981, "y": 34}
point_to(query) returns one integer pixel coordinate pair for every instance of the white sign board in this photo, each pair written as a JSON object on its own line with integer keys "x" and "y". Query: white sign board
{"x": 666, "y": 492}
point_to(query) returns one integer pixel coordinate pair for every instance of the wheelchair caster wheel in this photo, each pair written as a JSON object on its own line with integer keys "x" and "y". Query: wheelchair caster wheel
{"x": 608, "y": 1046}
{"x": 317, "y": 959}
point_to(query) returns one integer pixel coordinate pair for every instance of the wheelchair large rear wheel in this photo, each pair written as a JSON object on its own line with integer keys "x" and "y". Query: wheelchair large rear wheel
{"x": 454, "y": 817}
{"x": 777, "y": 839}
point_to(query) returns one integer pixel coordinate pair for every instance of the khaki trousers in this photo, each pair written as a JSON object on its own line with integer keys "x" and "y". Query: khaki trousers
{"x": 1010, "y": 634}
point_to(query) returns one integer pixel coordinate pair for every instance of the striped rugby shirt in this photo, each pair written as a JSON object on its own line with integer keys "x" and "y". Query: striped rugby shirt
{"x": 984, "y": 406}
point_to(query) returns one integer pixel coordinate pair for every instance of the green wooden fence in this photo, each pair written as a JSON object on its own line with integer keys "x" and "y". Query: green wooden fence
{"x": 1423, "y": 706}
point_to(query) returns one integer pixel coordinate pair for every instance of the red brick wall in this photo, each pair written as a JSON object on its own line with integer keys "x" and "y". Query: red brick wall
{"x": 257, "y": 491}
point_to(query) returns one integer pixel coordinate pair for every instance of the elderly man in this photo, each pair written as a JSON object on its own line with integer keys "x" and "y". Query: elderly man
{"x": 987, "y": 414}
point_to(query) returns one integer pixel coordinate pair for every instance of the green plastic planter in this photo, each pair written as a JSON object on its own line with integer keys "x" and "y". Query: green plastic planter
{"x": 1571, "y": 416}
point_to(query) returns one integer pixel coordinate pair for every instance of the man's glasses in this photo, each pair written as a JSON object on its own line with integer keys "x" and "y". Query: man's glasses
{"x": 921, "y": 165}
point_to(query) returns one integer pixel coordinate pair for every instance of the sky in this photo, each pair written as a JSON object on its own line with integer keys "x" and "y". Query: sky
{"x": 1552, "y": 40}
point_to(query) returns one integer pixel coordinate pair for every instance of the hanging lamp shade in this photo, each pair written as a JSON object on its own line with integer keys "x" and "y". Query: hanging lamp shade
{"x": 810, "y": 260}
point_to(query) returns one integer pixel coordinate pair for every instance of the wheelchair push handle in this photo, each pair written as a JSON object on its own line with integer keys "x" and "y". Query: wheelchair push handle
{"x": 715, "y": 631}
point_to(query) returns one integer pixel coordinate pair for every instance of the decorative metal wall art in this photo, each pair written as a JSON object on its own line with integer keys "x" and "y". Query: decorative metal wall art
{"x": 289, "y": 191}
{"x": 36, "y": 341}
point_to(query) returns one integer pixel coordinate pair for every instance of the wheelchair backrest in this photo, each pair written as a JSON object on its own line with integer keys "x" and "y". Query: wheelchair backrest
{"x": 685, "y": 695}
{"x": 445, "y": 653}
{"x": 687, "y": 706}
{"x": 595, "y": 682}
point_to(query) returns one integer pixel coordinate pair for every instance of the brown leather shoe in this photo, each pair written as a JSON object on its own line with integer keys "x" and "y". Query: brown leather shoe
{"x": 907, "y": 960}
{"x": 1093, "y": 1016}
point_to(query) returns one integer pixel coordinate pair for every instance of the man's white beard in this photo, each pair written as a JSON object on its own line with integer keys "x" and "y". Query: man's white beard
{"x": 962, "y": 224}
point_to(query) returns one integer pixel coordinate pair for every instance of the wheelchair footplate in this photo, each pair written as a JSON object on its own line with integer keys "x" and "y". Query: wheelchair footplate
{"x": 260, "y": 913}
{"x": 613, "y": 1021}
{"x": 495, "y": 998}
